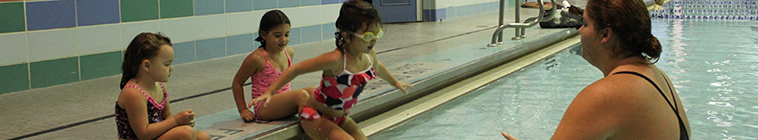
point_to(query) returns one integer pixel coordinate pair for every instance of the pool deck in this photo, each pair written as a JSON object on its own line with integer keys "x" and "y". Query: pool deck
{"x": 430, "y": 55}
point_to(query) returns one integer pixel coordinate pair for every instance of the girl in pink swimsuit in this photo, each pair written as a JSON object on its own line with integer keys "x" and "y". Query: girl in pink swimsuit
{"x": 263, "y": 66}
{"x": 345, "y": 73}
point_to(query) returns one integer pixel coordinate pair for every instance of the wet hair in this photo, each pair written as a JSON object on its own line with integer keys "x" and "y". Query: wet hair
{"x": 144, "y": 46}
{"x": 353, "y": 15}
{"x": 269, "y": 21}
{"x": 630, "y": 22}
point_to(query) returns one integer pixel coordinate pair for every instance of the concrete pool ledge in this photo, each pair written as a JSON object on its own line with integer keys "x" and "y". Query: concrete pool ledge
{"x": 427, "y": 73}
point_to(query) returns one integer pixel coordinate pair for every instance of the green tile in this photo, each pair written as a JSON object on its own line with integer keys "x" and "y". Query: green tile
{"x": 138, "y": 10}
{"x": 12, "y": 17}
{"x": 54, "y": 72}
{"x": 176, "y": 8}
{"x": 14, "y": 78}
{"x": 100, "y": 65}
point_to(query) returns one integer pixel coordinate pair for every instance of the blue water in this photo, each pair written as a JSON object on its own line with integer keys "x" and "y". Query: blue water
{"x": 712, "y": 64}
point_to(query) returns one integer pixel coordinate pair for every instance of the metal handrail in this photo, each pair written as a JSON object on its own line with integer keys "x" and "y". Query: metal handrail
{"x": 497, "y": 37}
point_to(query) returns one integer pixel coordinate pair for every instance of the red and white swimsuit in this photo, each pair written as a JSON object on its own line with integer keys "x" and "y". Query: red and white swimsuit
{"x": 340, "y": 92}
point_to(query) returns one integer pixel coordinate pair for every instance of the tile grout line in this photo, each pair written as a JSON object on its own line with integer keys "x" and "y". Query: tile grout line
{"x": 28, "y": 57}
{"x": 78, "y": 41}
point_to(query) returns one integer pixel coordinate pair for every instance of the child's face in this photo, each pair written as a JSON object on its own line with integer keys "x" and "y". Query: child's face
{"x": 372, "y": 34}
{"x": 160, "y": 65}
{"x": 278, "y": 37}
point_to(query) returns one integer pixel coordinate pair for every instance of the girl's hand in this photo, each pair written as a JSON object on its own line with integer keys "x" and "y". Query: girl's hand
{"x": 265, "y": 97}
{"x": 247, "y": 115}
{"x": 402, "y": 86}
{"x": 184, "y": 117}
{"x": 508, "y": 137}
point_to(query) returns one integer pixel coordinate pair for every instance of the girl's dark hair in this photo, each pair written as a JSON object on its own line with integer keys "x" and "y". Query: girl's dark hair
{"x": 269, "y": 21}
{"x": 143, "y": 46}
{"x": 354, "y": 14}
{"x": 630, "y": 21}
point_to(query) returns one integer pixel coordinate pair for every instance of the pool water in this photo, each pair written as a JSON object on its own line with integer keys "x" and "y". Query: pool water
{"x": 712, "y": 63}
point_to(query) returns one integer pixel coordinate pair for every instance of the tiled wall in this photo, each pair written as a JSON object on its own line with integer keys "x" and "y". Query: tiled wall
{"x": 52, "y": 42}
{"x": 435, "y": 10}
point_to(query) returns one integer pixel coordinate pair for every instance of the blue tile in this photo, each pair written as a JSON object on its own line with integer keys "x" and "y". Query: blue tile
{"x": 460, "y": 11}
{"x": 208, "y": 7}
{"x": 324, "y": 2}
{"x": 50, "y": 14}
{"x": 184, "y": 52}
{"x": 264, "y": 4}
{"x": 289, "y": 3}
{"x": 94, "y": 12}
{"x": 256, "y": 44}
{"x": 239, "y": 5}
{"x": 240, "y": 44}
{"x": 210, "y": 48}
{"x": 311, "y": 33}
{"x": 441, "y": 14}
{"x": 451, "y": 12}
{"x": 328, "y": 31}
{"x": 310, "y": 2}
{"x": 295, "y": 37}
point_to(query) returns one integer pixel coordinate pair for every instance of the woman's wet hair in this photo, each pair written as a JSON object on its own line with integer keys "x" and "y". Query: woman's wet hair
{"x": 353, "y": 15}
{"x": 143, "y": 47}
{"x": 269, "y": 21}
{"x": 630, "y": 22}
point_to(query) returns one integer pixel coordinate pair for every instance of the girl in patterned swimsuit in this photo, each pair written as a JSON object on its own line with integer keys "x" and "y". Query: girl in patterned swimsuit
{"x": 345, "y": 72}
{"x": 142, "y": 109}
{"x": 263, "y": 66}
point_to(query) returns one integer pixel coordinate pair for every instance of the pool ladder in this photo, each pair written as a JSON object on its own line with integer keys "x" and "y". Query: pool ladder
{"x": 497, "y": 37}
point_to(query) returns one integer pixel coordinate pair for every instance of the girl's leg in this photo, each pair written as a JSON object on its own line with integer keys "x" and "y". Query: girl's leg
{"x": 323, "y": 129}
{"x": 202, "y": 135}
{"x": 352, "y": 128}
{"x": 285, "y": 104}
{"x": 184, "y": 132}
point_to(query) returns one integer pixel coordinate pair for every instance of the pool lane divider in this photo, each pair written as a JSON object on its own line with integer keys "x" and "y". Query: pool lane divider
{"x": 409, "y": 110}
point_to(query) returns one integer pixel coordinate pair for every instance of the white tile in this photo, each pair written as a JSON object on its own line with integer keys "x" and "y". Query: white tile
{"x": 210, "y": 26}
{"x": 312, "y": 15}
{"x": 130, "y": 30}
{"x": 98, "y": 39}
{"x": 52, "y": 44}
{"x": 257, "y": 15}
{"x": 239, "y": 23}
{"x": 329, "y": 13}
{"x": 179, "y": 29}
{"x": 13, "y": 48}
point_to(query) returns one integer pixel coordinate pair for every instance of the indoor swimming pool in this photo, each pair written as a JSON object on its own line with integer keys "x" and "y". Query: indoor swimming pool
{"x": 713, "y": 65}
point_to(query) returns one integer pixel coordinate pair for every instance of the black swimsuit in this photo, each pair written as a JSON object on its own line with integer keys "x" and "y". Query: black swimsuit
{"x": 682, "y": 129}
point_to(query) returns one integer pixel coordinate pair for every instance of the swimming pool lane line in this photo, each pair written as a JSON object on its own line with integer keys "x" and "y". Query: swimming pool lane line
{"x": 407, "y": 111}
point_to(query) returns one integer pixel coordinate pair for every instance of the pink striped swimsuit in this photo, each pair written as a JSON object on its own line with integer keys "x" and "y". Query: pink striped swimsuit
{"x": 261, "y": 81}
